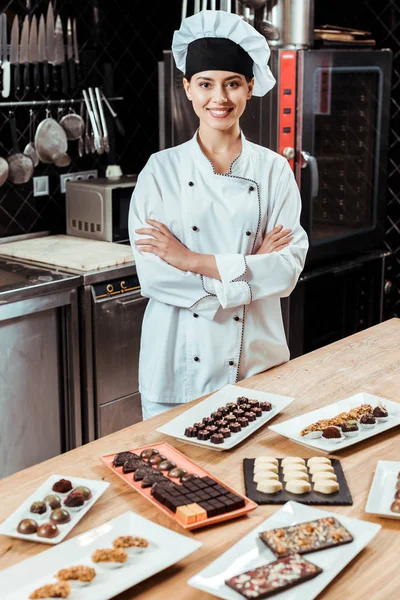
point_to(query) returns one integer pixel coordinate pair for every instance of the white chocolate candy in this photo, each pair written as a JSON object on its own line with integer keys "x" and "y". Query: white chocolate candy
{"x": 326, "y": 486}
{"x": 263, "y": 475}
{"x": 323, "y": 476}
{"x": 269, "y": 486}
{"x": 265, "y": 467}
{"x": 293, "y": 459}
{"x": 321, "y": 467}
{"x": 295, "y": 467}
{"x": 299, "y": 475}
{"x": 318, "y": 459}
{"x": 298, "y": 486}
{"x": 266, "y": 459}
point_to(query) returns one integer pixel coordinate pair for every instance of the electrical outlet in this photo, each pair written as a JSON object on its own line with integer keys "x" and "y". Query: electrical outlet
{"x": 80, "y": 176}
{"x": 41, "y": 186}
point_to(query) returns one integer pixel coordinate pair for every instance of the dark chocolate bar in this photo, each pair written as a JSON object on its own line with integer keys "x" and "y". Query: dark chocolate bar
{"x": 274, "y": 577}
{"x": 306, "y": 537}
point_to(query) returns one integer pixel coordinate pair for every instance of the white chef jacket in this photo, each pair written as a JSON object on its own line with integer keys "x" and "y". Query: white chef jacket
{"x": 199, "y": 333}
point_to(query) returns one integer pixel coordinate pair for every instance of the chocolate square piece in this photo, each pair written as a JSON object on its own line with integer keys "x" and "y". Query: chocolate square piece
{"x": 306, "y": 537}
{"x": 208, "y": 481}
{"x": 274, "y": 577}
{"x": 211, "y": 510}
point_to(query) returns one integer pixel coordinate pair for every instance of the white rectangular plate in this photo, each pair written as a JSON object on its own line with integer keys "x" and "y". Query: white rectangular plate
{"x": 229, "y": 393}
{"x": 383, "y": 488}
{"x": 250, "y": 553}
{"x": 291, "y": 428}
{"x": 9, "y": 526}
{"x": 165, "y": 548}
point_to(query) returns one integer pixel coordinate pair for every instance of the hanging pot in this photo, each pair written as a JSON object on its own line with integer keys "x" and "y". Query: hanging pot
{"x": 3, "y": 170}
{"x": 50, "y": 140}
{"x": 20, "y": 167}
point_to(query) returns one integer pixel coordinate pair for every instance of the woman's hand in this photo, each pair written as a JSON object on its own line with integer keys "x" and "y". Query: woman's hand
{"x": 275, "y": 240}
{"x": 165, "y": 245}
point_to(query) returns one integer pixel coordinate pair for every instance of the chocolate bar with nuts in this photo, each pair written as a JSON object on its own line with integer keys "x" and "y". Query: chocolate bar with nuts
{"x": 306, "y": 537}
{"x": 274, "y": 577}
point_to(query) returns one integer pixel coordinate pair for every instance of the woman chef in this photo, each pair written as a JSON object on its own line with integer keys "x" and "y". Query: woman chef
{"x": 214, "y": 226}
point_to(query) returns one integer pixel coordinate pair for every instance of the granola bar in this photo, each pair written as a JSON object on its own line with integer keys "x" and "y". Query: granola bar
{"x": 53, "y": 590}
{"x": 340, "y": 419}
{"x": 109, "y": 555}
{"x": 77, "y": 573}
{"x": 306, "y": 537}
{"x": 274, "y": 577}
{"x": 128, "y": 541}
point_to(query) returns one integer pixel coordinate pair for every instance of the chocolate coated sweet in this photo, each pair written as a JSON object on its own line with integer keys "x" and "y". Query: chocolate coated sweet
{"x": 238, "y": 412}
{"x": 395, "y": 507}
{"x": 254, "y": 403}
{"x": 121, "y": 457}
{"x": 166, "y": 465}
{"x": 221, "y": 423}
{"x": 62, "y": 486}
{"x": 151, "y": 478}
{"x": 231, "y": 406}
{"x": 367, "y": 419}
{"x": 257, "y": 411}
{"x": 48, "y": 530}
{"x": 85, "y": 491}
{"x": 397, "y": 495}
{"x": 380, "y": 411}
{"x": 223, "y": 410}
{"x": 38, "y": 508}
{"x": 216, "y": 415}
{"x": 132, "y": 464}
{"x": 208, "y": 421}
{"x": 235, "y": 427}
{"x": 265, "y": 406}
{"x": 162, "y": 482}
{"x": 349, "y": 426}
{"x": 243, "y": 422}
{"x": 250, "y": 416}
{"x": 331, "y": 432}
{"x": 203, "y": 434}
{"x": 148, "y": 452}
{"x": 212, "y": 429}
{"x": 74, "y": 500}
{"x": 230, "y": 418}
{"x": 142, "y": 472}
{"x": 53, "y": 501}
{"x": 177, "y": 472}
{"x": 60, "y": 516}
{"x": 217, "y": 438}
{"x": 191, "y": 432}
{"x": 225, "y": 432}
{"x": 27, "y": 526}
{"x": 189, "y": 477}
{"x": 154, "y": 460}
{"x": 242, "y": 400}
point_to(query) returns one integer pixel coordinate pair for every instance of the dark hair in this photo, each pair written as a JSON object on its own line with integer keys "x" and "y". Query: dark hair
{"x": 248, "y": 79}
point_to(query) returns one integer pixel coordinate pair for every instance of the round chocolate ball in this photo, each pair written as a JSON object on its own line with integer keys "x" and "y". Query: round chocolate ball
{"x": 48, "y": 530}
{"x": 27, "y": 526}
{"x": 60, "y": 516}
{"x": 38, "y": 508}
{"x": 331, "y": 432}
{"x": 62, "y": 486}
{"x": 53, "y": 501}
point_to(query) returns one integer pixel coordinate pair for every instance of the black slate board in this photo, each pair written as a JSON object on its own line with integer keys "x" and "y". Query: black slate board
{"x": 340, "y": 498}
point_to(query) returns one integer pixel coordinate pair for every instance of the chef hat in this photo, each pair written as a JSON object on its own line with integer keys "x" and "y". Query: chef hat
{"x": 198, "y": 46}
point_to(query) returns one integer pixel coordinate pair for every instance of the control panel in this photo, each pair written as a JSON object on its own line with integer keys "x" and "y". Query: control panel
{"x": 116, "y": 287}
{"x": 287, "y": 105}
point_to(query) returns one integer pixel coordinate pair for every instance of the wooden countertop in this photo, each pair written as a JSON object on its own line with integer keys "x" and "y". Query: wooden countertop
{"x": 368, "y": 361}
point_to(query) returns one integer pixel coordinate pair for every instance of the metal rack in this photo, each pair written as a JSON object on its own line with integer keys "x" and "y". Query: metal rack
{"x": 61, "y": 102}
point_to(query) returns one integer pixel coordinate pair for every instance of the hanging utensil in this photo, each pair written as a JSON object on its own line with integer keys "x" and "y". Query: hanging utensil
{"x": 80, "y": 140}
{"x": 24, "y": 53}
{"x": 64, "y": 159}
{"x": 20, "y": 167}
{"x": 96, "y": 135}
{"x": 71, "y": 64}
{"x": 114, "y": 115}
{"x": 87, "y": 137}
{"x": 30, "y": 149}
{"x": 5, "y": 63}
{"x": 60, "y": 54}
{"x": 33, "y": 54}
{"x": 3, "y": 170}
{"x": 42, "y": 48}
{"x": 50, "y": 45}
{"x": 76, "y": 53}
{"x": 72, "y": 124}
{"x": 106, "y": 143}
{"x": 14, "y": 54}
{"x": 50, "y": 139}
{"x": 100, "y": 145}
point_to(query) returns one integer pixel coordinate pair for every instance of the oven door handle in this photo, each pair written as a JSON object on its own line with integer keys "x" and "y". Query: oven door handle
{"x": 311, "y": 162}
{"x": 131, "y": 301}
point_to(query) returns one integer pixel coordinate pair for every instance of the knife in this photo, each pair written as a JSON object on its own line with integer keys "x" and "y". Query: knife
{"x": 50, "y": 44}
{"x": 14, "y": 55}
{"x": 43, "y": 54}
{"x": 5, "y": 64}
{"x": 71, "y": 66}
{"x": 24, "y": 52}
{"x": 59, "y": 55}
{"x": 33, "y": 53}
{"x": 76, "y": 53}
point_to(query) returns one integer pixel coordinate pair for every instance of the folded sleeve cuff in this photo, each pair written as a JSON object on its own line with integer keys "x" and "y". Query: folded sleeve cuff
{"x": 231, "y": 292}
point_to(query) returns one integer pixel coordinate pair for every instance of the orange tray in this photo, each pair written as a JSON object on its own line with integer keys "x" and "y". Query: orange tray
{"x": 181, "y": 461}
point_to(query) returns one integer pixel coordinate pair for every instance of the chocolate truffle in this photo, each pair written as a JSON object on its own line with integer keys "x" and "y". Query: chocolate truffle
{"x": 250, "y": 416}
{"x": 242, "y": 400}
{"x": 265, "y": 406}
{"x": 367, "y": 419}
{"x": 48, "y": 530}
{"x": 217, "y": 438}
{"x": 188, "y": 477}
{"x": 148, "y": 453}
{"x": 38, "y": 508}
{"x": 203, "y": 434}
{"x": 177, "y": 472}
{"x": 235, "y": 427}
{"x": 191, "y": 432}
{"x": 53, "y": 501}
{"x": 121, "y": 457}
{"x": 243, "y": 422}
{"x": 74, "y": 500}
{"x": 166, "y": 465}
{"x": 60, "y": 516}
{"x": 397, "y": 495}
{"x": 395, "y": 506}
{"x": 380, "y": 412}
{"x": 154, "y": 460}
{"x": 63, "y": 486}
{"x": 349, "y": 426}
{"x": 85, "y": 491}
{"x": 27, "y": 526}
{"x": 331, "y": 432}
{"x": 231, "y": 406}
{"x": 225, "y": 431}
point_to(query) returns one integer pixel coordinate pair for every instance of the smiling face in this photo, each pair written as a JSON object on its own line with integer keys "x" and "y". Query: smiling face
{"x": 218, "y": 97}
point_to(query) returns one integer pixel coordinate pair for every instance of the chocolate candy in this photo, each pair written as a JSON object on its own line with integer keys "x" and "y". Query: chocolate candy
{"x": 223, "y": 410}
{"x": 48, "y": 530}
{"x": 250, "y": 416}
{"x": 216, "y": 415}
{"x": 154, "y": 460}
{"x": 151, "y": 478}
{"x": 38, "y": 508}
{"x": 257, "y": 410}
{"x": 62, "y": 486}
{"x": 203, "y": 434}
{"x": 60, "y": 516}
{"x": 231, "y": 406}
{"x": 142, "y": 472}
{"x": 230, "y": 418}
{"x": 74, "y": 500}
{"x": 221, "y": 423}
{"x": 397, "y": 495}
{"x": 148, "y": 453}
{"x": 254, "y": 403}
{"x": 189, "y": 477}
{"x": 198, "y": 425}
{"x": 120, "y": 458}
{"x": 225, "y": 432}
{"x": 238, "y": 412}
{"x": 265, "y": 406}
{"x": 243, "y": 421}
{"x": 395, "y": 506}
{"x": 191, "y": 432}
{"x": 27, "y": 526}
{"x": 177, "y": 472}
{"x": 85, "y": 491}
{"x": 208, "y": 421}
{"x": 235, "y": 427}
{"x": 245, "y": 407}
{"x": 242, "y": 400}
{"x": 212, "y": 429}
{"x": 53, "y": 501}
{"x": 132, "y": 464}
{"x": 160, "y": 483}
{"x": 217, "y": 438}
{"x": 166, "y": 465}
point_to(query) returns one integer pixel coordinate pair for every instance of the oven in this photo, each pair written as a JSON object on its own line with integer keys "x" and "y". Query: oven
{"x": 329, "y": 116}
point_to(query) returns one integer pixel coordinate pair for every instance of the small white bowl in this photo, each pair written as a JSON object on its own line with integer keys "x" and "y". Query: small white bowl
{"x": 110, "y": 566}
{"x": 382, "y": 419}
{"x": 367, "y": 425}
{"x": 333, "y": 440}
{"x": 134, "y": 550}
{"x": 350, "y": 434}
